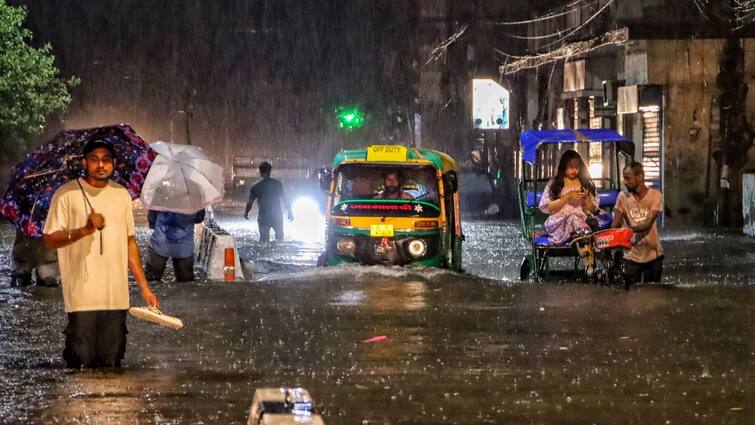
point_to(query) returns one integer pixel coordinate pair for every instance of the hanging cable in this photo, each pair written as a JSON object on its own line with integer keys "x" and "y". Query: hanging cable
{"x": 540, "y": 37}
{"x": 741, "y": 13}
{"x": 549, "y": 15}
{"x": 595, "y": 15}
{"x": 442, "y": 48}
{"x": 615, "y": 37}
{"x": 701, "y": 8}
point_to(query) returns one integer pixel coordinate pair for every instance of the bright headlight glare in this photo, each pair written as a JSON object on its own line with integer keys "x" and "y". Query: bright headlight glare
{"x": 417, "y": 248}
{"x": 346, "y": 246}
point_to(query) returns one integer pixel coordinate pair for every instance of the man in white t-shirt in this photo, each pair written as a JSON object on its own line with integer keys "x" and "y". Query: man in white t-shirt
{"x": 91, "y": 224}
{"x": 638, "y": 209}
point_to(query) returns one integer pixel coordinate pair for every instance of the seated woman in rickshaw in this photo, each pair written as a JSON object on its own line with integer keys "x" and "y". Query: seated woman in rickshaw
{"x": 567, "y": 199}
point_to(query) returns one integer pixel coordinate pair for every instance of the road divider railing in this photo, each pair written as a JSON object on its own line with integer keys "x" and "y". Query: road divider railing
{"x": 216, "y": 254}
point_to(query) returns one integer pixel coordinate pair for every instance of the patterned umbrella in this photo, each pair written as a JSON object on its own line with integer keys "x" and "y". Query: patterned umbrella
{"x": 36, "y": 178}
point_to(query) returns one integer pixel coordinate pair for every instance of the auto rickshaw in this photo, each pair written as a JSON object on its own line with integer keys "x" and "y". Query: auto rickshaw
{"x": 602, "y": 249}
{"x": 370, "y": 223}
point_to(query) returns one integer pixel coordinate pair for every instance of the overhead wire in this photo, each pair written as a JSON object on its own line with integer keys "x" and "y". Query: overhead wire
{"x": 701, "y": 8}
{"x": 549, "y": 15}
{"x": 441, "y": 49}
{"x": 595, "y": 15}
{"x": 742, "y": 13}
{"x": 570, "y": 32}
{"x": 614, "y": 37}
{"x": 539, "y": 37}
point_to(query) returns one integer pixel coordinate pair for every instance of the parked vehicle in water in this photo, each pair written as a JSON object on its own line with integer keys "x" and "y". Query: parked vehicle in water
{"x": 283, "y": 406}
{"x": 603, "y": 248}
{"x": 393, "y": 205}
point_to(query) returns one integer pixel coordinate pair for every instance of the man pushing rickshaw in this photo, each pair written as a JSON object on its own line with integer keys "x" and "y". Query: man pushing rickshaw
{"x": 567, "y": 213}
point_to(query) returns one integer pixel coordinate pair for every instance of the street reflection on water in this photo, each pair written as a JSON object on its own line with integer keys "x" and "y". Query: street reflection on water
{"x": 466, "y": 348}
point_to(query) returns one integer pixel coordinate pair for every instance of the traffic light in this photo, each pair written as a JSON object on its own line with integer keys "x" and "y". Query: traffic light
{"x": 350, "y": 118}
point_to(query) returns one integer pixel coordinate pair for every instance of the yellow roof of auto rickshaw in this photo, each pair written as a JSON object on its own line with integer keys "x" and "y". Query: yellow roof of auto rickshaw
{"x": 412, "y": 155}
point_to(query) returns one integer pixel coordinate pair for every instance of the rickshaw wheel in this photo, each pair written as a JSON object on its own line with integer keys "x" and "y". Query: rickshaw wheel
{"x": 616, "y": 277}
{"x": 525, "y": 269}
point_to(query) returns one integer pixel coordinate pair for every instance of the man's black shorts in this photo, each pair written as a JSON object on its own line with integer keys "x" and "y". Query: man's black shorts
{"x": 95, "y": 338}
{"x": 643, "y": 272}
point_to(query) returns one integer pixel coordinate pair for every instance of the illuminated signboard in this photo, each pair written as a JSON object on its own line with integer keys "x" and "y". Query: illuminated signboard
{"x": 490, "y": 104}
{"x": 365, "y": 207}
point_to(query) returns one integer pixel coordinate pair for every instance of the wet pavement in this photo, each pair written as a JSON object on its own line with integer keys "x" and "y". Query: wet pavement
{"x": 466, "y": 349}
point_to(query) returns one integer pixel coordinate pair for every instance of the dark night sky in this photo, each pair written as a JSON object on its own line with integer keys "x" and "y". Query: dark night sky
{"x": 264, "y": 73}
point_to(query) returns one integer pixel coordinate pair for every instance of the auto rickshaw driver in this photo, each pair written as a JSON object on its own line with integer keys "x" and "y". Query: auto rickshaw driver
{"x": 392, "y": 187}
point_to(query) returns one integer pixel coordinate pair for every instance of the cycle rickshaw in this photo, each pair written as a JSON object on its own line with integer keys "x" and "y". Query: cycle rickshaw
{"x": 540, "y": 152}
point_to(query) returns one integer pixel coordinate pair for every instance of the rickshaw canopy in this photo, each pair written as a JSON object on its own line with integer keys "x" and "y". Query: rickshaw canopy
{"x": 530, "y": 140}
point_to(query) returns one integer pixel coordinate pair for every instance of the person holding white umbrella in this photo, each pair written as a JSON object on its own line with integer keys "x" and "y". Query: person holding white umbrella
{"x": 172, "y": 237}
{"x": 181, "y": 182}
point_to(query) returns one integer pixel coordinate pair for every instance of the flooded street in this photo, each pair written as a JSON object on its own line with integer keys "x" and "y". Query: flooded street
{"x": 460, "y": 349}
{"x": 423, "y": 130}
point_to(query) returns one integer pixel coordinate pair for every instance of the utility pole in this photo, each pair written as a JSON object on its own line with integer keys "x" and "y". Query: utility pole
{"x": 736, "y": 132}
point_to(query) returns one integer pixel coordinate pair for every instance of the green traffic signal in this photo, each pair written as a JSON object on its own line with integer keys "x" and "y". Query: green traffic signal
{"x": 350, "y": 118}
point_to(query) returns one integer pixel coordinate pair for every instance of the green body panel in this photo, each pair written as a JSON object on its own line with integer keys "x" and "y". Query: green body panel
{"x": 335, "y": 260}
{"x": 436, "y": 261}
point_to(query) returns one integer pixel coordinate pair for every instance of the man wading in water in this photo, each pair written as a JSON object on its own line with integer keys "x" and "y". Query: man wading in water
{"x": 91, "y": 224}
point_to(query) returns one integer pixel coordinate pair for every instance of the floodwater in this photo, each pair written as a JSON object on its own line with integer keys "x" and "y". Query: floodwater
{"x": 477, "y": 348}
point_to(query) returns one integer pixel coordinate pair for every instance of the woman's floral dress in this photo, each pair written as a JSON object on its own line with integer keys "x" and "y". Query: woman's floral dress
{"x": 562, "y": 224}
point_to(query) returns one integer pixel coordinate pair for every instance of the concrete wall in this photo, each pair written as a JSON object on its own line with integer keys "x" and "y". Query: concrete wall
{"x": 687, "y": 69}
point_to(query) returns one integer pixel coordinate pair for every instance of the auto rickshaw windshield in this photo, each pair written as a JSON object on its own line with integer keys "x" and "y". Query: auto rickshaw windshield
{"x": 367, "y": 181}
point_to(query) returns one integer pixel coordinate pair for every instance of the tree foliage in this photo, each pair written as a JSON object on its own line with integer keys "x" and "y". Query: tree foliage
{"x": 30, "y": 86}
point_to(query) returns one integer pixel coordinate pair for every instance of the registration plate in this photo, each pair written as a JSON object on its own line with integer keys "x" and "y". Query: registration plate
{"x": 381, "y": 230}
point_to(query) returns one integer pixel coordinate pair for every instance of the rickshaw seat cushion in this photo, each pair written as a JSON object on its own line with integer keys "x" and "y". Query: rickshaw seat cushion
{"x": 532, "y": 199}
{"x": 543, "y": 240}
{"x": 604, "y": 220}
{"x": 607, "y": 198}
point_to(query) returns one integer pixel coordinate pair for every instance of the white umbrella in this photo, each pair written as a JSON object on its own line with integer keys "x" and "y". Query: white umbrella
{"x": 181, "y": 179}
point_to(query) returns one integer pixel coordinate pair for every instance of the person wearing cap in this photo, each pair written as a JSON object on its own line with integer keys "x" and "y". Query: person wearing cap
{"x": 91, "y": 224}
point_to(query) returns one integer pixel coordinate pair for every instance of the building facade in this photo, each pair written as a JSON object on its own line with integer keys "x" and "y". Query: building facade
{"x": 650, "y": 70}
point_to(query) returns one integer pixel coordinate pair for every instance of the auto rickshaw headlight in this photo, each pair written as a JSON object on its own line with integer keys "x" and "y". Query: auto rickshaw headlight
{"x": 346, "y": 246}
{"x": 417, "y": 248}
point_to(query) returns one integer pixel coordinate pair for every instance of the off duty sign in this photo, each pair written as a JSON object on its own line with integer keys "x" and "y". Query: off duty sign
{"x": 386, "y": 153}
